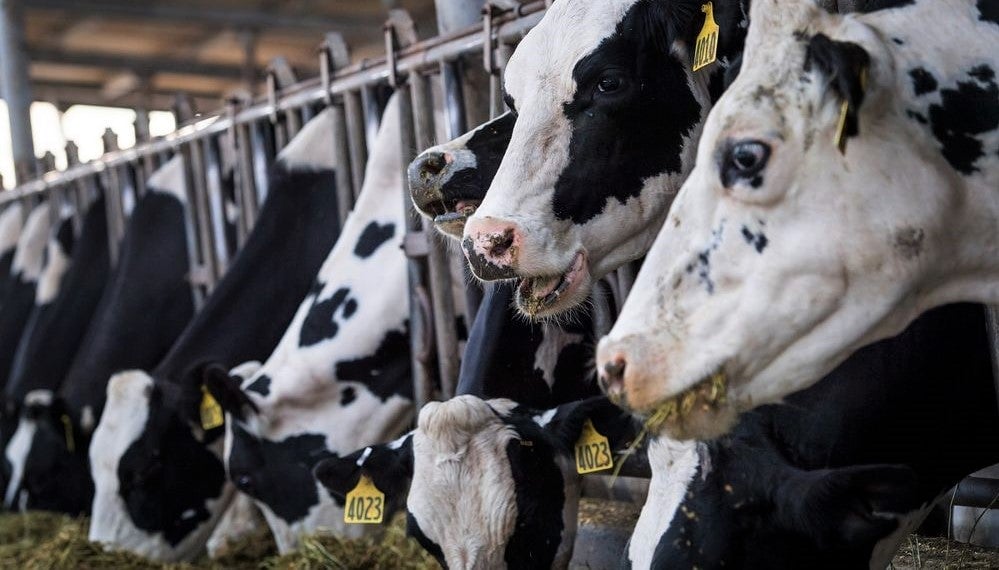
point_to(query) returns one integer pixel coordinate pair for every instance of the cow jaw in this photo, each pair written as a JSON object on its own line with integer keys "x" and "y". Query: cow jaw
{"x": 549, "y": 295}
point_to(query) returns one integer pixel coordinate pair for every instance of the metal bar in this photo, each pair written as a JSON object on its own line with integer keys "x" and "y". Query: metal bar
{"x": 115, "y": 211}
{"x": 194, "y": 271}
{"x": 194, "y": 168}
{"x": 419, "y": 303}
{"x": 263, "y": 158}
{"x": 246, "y": 191}
{"x": 992, "y": 325}
{"x": 438, "y": 264}
{"x": 372, "y": 116}
{"x": 354, "y": 109}
{"x": 216, "y": 205}
{"x": 16, "y": 87}
{"x": 422, "y": 56}
{"x": 341, "y": 158}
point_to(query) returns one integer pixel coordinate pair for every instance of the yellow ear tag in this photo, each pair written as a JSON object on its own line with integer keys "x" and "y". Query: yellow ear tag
{"x": 593, "y": 451}
{"x": 365, "y": 504}
{"x": 844, "y": 110}
{"x": 67, "y": 427}
{"x": 706, "y": 46}
{"x": 211, "y": 412}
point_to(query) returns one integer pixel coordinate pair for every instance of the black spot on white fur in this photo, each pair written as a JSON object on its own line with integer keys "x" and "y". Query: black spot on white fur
{"x": 923, "y": 81}
{"x": 320, "y": 323}
{"x": 971, "y": 108}
{"x": 262, "y": 385}
{"x": 373, "y": 236}
{"x": 384, "y": 371}
{"x": 988, "y": 11}
{"x": 758, "y": 239}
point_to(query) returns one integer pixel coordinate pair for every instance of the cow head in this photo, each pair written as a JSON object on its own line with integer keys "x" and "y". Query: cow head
{"x": 821, "y": 216}
{"x": 449, "y": 181}
{"x": 742, "y": 504}
{"x": 607, "y": 114}
{"x": 277, "y": 435}
{"x": 158, "y": 476}
{"x": 48, "y": 458}
{"x": 493, "y": 484}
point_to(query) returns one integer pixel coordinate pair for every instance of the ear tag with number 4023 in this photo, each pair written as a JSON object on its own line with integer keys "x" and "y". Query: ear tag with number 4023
{"x": 365, "y": 503}
{"x": 706, "y": 46}
{"x": 211, "y": 412}
{"x": 593, "y": 451}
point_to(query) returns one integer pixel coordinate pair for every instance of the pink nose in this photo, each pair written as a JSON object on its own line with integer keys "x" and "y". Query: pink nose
{"x": 491, "y": 246}
{"x": 611, "y": 377}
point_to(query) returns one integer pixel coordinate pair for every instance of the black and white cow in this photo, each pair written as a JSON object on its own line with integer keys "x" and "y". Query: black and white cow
{"x": 341, "y": 377}
{"x": 845, "y": 183}
{"x": 159, "y": 479}
{"x": 145, "y": 307}
{"x": 491, "y": 484}
{"x": 66, "y": 298}
{"x": 26, "y": 269}
{"x": 606, "y": 121}
{"x": 839, "y": 475}
{"x": 11, "y": 223}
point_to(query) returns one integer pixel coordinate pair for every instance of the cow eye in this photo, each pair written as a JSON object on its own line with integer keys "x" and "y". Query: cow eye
{"x": 609, "y": 84}
{"x": 744, "y": 160}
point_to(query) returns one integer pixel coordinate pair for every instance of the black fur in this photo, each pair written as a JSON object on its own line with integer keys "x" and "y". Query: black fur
{"x": 844, "y": 64}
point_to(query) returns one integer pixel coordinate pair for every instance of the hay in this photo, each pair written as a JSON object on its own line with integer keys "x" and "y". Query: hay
{"x": 44, "y": 541}
{"x": 941, "y": 554}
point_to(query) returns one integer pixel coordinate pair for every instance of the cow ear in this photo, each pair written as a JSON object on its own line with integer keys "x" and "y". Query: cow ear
{"x": 845, "y": 66}
{"x": 665, "y": 22}
{"x": 389, "y": 466}
{"x": 225, "y": 388}
{"x": 612, "y": 422}
{"x": 847, "y": 507}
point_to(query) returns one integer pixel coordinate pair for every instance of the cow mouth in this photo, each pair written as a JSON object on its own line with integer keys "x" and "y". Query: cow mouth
{"x": 702, "y": 411}
{"x": 450, "y": 215}
{"x": 540, "y": 296}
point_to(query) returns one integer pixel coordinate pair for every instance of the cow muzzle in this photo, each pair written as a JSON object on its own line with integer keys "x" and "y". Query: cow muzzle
{"x": 440, "y": 192}
{"x": 492, "y": 247}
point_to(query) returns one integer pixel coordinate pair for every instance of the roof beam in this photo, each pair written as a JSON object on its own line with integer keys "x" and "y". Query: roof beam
{"x": 238, "y": 18}
{"x": 67, "y": 94}
{"x": 143, "y": 66}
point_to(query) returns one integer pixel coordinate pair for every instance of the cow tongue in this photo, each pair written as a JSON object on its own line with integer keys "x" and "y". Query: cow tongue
{"x": 540, "y": 287}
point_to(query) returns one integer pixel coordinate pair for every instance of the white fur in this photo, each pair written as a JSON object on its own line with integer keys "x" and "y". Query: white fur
{"x": 832, "y": 277}
{"x": 57, "y": 263}
{"x": 170, "y": 179}
{"x": 312, "y": 148}
{"x": 30, "y": 254}
{"x": 674, "y": 464}
{"x": 10, "y": 227}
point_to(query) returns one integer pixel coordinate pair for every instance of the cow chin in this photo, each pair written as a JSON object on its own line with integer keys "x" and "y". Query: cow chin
{"x": 548, "y": 296}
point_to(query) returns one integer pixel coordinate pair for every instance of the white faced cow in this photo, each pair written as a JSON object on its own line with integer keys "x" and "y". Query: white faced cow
{"x": 340, "y": 378}
{"x": 159, "y": 479}
{"x": 143, "y": 310}
{"x": 606, "y": 116}
{"x": 847, "y": 182}
{"x": 493, "y": 484}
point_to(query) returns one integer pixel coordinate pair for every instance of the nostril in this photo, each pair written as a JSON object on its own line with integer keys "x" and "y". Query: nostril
{"x": 500, "y": 243}
{"x": 433, "y": 164}
{"x": 614, "y": 371}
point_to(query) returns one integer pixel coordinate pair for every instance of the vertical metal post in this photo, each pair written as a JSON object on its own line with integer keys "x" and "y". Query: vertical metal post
{"x": 992, "y": 324}
{"x": 246, "y": 191}
{"x": 215, "y": 202}
{"x": 16, "y": 87}
{"x": 113, "y": 191}
{"x": 78, "y": 195}
{"x": 354, "y": 109}
{"x": 263, "y": 157}
{"x": 195, "y": 272}
{"x": 333, "y": 56}
{"x": 144, "y": 166}
{"x": 372, "y": 115}
{"x": 194, "y": 168}
{"x": 438, "y": 262}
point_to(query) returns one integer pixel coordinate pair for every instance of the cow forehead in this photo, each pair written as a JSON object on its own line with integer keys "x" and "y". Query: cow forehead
{"x": 545, "y": 58}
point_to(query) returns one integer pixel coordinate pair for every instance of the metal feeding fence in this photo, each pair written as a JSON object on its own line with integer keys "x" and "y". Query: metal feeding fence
{"x": 227, "y": 156}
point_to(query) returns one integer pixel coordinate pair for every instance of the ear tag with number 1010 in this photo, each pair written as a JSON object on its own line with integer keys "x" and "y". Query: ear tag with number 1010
{"x": 593, "y": 451}
{"x": 365, "y": 503}
{"x": 211, "y": 412}
{"x": 706, "y": 46}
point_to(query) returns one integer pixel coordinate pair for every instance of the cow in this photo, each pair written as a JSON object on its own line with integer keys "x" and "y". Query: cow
{"x": 778, "y": 229}
{"x": 11, "y": 223}
{"x": 26, "y": 269}
{"x": 491, "y": 484}
{"x": 605, "y": 125}
{"x": 159, "y": 479}
{"x": 147, "y": 303}
{"x": 843, "y": 472}
{"x": 340, "y": 378}
{"x": 448, "y": 182}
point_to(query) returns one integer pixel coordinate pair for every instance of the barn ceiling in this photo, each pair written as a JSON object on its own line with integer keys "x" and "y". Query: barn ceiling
{"x": 142, "y": 52}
